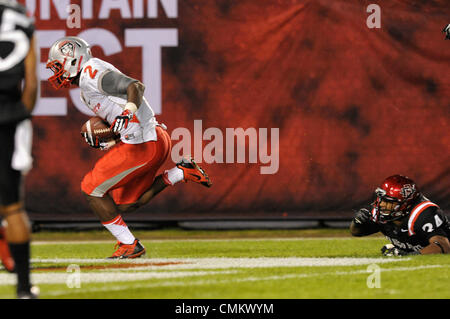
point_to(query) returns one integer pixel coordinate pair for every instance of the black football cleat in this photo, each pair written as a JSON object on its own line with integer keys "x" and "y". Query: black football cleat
{"x": 33, "y": 293}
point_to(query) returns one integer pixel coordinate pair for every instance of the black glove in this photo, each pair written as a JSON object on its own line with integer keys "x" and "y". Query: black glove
{"x": 362, "y": 216}
{"x": 447, "y": 32}
{"x": 390, "y": 250}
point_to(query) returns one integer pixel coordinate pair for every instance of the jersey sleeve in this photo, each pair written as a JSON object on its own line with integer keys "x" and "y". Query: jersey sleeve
{"x": 429, "y": 223}
{"x": 115, "y": 83}
{"x": 91, "y": 75}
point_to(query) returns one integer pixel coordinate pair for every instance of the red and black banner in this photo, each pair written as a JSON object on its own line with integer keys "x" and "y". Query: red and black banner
{"x": 295, "y": 108}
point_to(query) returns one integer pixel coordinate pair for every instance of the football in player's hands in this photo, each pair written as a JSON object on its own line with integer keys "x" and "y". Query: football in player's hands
{"x": 97, "y": 132}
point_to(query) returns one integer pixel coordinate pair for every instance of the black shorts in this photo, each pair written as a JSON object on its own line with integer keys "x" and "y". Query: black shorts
{"x": 10, "y": 179}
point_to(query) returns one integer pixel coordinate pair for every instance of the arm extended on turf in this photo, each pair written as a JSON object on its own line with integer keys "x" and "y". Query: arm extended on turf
{"x": 359, "y": 230}
{"x": 438, "y": 245}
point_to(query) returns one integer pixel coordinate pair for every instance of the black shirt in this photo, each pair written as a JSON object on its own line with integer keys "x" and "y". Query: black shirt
{"x": 424, "y": 220}
{"x": 16, "y": 31}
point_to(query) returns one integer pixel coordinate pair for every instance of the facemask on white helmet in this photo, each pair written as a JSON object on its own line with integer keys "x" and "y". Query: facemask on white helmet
{"x": 66, "y": 59}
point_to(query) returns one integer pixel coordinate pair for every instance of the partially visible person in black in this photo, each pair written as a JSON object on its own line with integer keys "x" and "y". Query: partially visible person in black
{"x": 446, "y": 30}
{"x": 412, "y": 223}
{"x": 18, "y": 92}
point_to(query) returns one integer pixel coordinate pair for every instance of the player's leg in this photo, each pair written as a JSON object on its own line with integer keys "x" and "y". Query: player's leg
{"x": 157, "y": 187}
{"x": 103, "y": 207}
{"x": 146, "y": 186}
{"x": 185, "y": 170}
{"x": 169, "y": 178}
{"x": 104, "y": 184}
{"x": 15, "y": 220}
{"x": 17, "y": 234}
{"x": 106, "y": 210}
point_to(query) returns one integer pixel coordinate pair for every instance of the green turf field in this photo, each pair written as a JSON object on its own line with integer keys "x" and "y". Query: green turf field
{"x": 179, "y": 264}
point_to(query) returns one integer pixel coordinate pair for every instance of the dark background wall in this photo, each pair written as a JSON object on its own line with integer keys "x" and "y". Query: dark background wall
{"x": 353, "y": 105}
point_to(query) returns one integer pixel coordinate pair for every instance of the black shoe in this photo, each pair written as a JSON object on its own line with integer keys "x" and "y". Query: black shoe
{"x": 33, "y": 293}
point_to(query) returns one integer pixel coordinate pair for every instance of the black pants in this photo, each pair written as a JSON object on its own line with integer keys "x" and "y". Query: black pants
{"x": 10, "y": 179}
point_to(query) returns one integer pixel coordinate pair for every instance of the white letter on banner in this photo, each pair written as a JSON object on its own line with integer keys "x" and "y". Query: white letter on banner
{"x": 214, "y": 147}
{"x": 31, "y": 6}
{"x": 108, "y": 5}
{"x": 48, "y": 105}
{"x": 74, "y": 19}
{"x": 374, "y": 20}
{"x": 138, "y": 9}
{"x": 151, "y": 41}
{"x": 182, "y": 148}
{"x": 274, "y": 158}
{"x": 87, "y": 9}
{"x": 110, "y": 45}
{"x": 60, "y": 6}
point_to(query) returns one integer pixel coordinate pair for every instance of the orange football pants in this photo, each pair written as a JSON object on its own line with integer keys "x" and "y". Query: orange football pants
{"x": 128, "y": 170}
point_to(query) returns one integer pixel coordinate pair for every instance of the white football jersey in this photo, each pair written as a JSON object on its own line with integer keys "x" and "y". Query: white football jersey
{"x": 108, "y": 107}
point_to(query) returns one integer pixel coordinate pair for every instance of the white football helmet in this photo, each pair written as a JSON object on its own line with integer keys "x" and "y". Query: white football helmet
{"x": 66, "y": 58}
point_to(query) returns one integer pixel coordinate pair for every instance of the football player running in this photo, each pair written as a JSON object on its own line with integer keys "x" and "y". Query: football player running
{"x": 125, "y": 178}
{"x": 412, "y": 223}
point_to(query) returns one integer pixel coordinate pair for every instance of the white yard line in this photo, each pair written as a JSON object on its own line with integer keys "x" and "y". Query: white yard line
{"x": 184, "y": 268}
{"x": 147, "y": 268}
{"x": 105, "y": 277}
{"x": 85, "y": 242}
{"x": 203, "y": 282}
{"x": 173, "y": 267}
{"x": 226, "y": 262}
